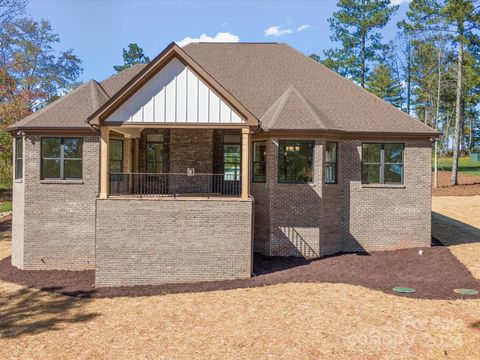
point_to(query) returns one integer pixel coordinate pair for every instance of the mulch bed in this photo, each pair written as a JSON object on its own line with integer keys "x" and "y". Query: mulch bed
{"x": 434, "y": 275}
{"x": 467, "y": 185}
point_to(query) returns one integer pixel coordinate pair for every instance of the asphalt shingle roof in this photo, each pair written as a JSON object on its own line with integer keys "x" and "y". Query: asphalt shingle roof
{"x": 281, "y": 87}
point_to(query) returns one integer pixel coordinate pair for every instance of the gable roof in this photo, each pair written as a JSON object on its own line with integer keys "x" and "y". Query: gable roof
{"x": 170, "y": 52}
{"x": 271, "y": 83}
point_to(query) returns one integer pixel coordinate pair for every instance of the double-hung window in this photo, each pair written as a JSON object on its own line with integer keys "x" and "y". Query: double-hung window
{"x": 259, "y": 163}
{"x": 331, "y": 162}
{"x": 18, "y": 158}
{"x": 382, "y": 163}
{"x": 295, "y": 161}
{"x": 62, "y": 158}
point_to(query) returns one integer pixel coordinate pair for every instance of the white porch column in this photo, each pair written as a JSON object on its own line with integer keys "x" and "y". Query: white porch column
{"x": 245, "y": 163}
{"x": 104, "y": 145}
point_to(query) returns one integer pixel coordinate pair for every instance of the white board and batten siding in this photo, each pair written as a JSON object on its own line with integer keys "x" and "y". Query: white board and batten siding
{"x": 175, "y": 95}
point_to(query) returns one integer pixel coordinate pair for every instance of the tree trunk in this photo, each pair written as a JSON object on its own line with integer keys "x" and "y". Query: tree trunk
{"x": 446, "y": 135}
{"x": 470, "y": 133}
{"x": 437, "y": 114}
{"x": 362, "y": 81}
{"x": 458, "y": 108}
{"x": 409, "y": 76}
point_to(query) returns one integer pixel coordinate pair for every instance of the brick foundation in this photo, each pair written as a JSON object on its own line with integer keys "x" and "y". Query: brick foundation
{"x": 151, "y": 242}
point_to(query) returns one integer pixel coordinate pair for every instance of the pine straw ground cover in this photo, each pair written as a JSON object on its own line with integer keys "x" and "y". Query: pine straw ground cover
{"x": 285, "y": 321}
{"x": 456, "y": 223}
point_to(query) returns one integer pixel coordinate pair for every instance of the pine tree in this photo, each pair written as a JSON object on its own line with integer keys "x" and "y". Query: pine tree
{"x": 356, "y": 25}
{"x": 134, "y": 55}
{"x": 382, "y": 83}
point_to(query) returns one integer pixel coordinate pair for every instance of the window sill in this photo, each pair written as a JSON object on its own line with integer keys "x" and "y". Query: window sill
{"x": 18, "y": 181}
{"x": 78, "y": 182}
{"x": 384, "y": 186}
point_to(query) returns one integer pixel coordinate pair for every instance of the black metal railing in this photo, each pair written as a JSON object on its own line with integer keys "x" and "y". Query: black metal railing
{"x": 173, "y": 184}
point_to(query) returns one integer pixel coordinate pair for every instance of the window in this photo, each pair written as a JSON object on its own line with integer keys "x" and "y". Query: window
{"x": 155, "y": 153}
{"x": 295, "y": 159}
{"x": 18, "y": 158}
{"x": 62, "y": 158}
{"x": 115, "y": 154}
{"x": 382, "y": 163}
{"x": 331, "y": 163}
{"x": 259, "y": 164}
{"x": 231, "y": 157}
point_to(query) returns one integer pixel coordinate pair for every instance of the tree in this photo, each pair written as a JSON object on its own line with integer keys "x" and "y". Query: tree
{"x": 9, "y": 10}
{"x": 457, "y": 20}
{"x": 32, "y": 73}
{"x": 382, "y": 83}
{"x": 28, "y": 56}
{"x": 462, "y": 16}
{"x": 356, "y": 25}
{"x": 134, "y": 55}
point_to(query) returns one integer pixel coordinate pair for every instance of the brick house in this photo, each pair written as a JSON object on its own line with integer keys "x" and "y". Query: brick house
{"x": 177, "y": 171}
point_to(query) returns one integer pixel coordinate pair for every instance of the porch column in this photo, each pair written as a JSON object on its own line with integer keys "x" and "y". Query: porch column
{"x": 245, "y": 163}
{"x": 104, "y": 145}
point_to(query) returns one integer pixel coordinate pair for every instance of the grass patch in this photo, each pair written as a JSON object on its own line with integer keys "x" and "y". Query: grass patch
{"x": 6, "y": 206}
{"x": 465, "y": 165}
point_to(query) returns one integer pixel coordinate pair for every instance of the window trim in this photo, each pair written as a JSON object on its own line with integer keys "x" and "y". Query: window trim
{"x": 330, "y": 162}
{"x": 61, "y": 158}
{"x": 18, "y": 175}
{"x": 382, "y": 165}
{"x": 313, "y": 162}
{"x": 259, "y": 162}
{"x": 122, "y": 160}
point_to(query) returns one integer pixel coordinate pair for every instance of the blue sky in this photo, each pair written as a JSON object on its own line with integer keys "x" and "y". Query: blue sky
{"x": 98, "y": 30}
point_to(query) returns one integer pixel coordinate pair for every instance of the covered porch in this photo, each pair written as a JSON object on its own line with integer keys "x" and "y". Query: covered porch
{"x": 174, "y": 161}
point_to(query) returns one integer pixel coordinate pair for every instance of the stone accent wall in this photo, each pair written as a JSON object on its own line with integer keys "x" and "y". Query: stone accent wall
{"x": 151, "y": 242}
{"x": 59, "y": 216}
{"x": 191, "y": 148}
{"x": 319, "y": 219}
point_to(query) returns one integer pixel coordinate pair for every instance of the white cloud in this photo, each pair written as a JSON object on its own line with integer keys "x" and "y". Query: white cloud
{"x": 224, "y": 24}
{"x": 220, "y": 37}
{"x": 303, "y": 27}
{"x": 399, "y": 2}
{"x": 277, "y": 31}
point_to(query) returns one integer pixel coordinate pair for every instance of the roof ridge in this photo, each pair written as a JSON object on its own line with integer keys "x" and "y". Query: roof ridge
{"x": 315, "y": 111}
{"x": 279, "y": 104}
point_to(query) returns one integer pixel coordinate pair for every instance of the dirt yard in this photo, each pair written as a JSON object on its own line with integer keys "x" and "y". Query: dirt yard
{"x": 284, "y": 321}
{"x": 468, "y": 185}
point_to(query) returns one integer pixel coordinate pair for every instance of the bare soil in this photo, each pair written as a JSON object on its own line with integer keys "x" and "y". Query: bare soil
{"x": 467, "y": 185}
